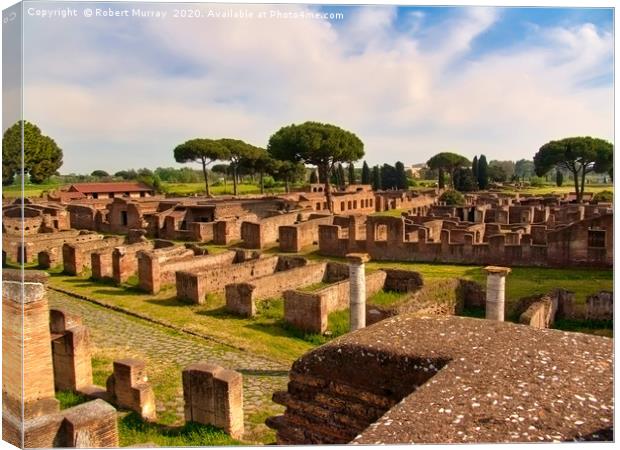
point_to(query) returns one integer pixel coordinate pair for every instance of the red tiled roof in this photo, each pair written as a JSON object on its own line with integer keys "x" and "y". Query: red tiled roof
{"x": 88, "y": 188}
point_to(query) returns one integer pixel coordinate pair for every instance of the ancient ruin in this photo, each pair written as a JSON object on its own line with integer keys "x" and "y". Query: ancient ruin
{"x": 449, "y": 380}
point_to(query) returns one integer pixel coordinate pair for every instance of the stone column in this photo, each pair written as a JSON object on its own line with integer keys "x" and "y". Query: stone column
{"x": 357, "y": 290}
{"x": 496, "y": 285}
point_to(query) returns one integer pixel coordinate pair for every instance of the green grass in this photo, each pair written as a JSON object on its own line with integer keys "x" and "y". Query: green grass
{"x": 314, "y": 287}
{"x": 133, "y": 430}
{"x": 264, "y": 334}
{"x": 565, "y": 189}
{"x": 391, "y": 212}
{"x": 387, "y": 298}
{"x": 69, "y": 399}
{"x": 183, "y": 189}
{"x": 30, "y": 190}
{"x": 598, "y": 327}
{"x": 522, "y": 281}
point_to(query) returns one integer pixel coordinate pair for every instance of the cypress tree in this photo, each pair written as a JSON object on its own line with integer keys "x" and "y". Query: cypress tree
{"x": 474, "y": 168}
{"x": 351, "y": 173}
{"x": 483, "y": 172}
{"x": 401, "y": 176}
{"x": 376, "y": 178}
{"x": 559, "y": 177}
{"x": 341, "y": 177}
{"x": 366, "y": 174}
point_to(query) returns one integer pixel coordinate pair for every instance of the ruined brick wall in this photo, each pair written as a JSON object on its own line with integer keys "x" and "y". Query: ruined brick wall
{"x": 426, "y": 380}
{"x": 101, "y": 264}
{"x": 265, "y": 232}
{"x": 128, "y": 386}
{"x": 588, "y": 242}
{"x": 214, "y": 396}
{"x": 27, "y": 369}
{"x": 157, "y": 268}
{"x": 194, "y": 286}
{"x": 82, "y": 217}
{"x": 71, "y": 352}
{"x": 309, "y": 311}
{"x": 202, "y": 231}
{"x": 600, "y": 306}
{"x": 125, "y": 260}
{"x": 293, "y": 238}
{"x": 77, "y": 256}
{"x": 149, "y": 265}
{"x": 241, "y": 298}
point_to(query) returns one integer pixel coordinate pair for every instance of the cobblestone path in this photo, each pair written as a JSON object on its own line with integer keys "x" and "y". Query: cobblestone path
{"x": 120, "y": 336}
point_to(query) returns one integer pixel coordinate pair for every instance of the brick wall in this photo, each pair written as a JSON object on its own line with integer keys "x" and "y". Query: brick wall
{"x": 241, "y": 298}
{"x": 309, "y": 311}
{"x": 194, "y": 286}
{"x": 293, "y": 238}
{"x": 125, "y": 260}
{"x": 265, "y": 232}
{"x": 77, "y": 256}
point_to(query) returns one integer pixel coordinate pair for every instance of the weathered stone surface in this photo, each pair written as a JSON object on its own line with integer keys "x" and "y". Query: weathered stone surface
{"x": 449, "y": 380}
{"x": 214, "y": 395}
{"x": 129, "y": 388}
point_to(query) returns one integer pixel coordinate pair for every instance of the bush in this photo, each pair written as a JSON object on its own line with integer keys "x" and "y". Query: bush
{"x": 269, "y": 182}
{"x": 537, "y": 181}
{"x": 603, "y": 197}
{"x": 452, "y": 198}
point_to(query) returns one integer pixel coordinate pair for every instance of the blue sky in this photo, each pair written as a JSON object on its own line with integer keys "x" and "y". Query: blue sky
{"x": 410, "y": 81}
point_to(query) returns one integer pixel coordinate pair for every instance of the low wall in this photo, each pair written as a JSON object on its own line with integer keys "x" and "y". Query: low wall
{"x": 265, "y": 232}
{"x": 293, "y": 238}
{"x": 194, "y": 286}
{"x": 241, "y": 298}
{"x": 309, "y": 311}
{"x": 125, "y": 260}
{"x": 155, "y": 271}
{"x": 77, "y": 256}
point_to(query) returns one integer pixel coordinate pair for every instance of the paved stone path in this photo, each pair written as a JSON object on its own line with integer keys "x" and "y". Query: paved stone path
{"x": 121, "y": 336}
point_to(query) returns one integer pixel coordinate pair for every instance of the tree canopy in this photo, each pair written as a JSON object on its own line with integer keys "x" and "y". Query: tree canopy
{"x": 578, "y": 155}
{"x": 42, "y": 156}
{"x": 319, "y": 144}
{"x": 204, "y": 151}
{"x": 238, "y": 151}
{"x": 447, "y": 161}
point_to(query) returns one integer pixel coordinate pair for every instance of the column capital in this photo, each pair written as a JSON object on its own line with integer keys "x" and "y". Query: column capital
{"x": 357, "y": 258}
{"x": 497, "y": 270}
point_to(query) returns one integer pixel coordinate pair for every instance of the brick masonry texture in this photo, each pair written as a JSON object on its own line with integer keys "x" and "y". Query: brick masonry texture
{"x": 450, "y": 380}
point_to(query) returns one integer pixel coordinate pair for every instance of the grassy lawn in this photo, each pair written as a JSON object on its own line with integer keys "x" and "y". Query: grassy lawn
{"x": 182, "y": 189}
{"x": 264, "y": 334}
{"x": 565, "y": 189}
{"x": 30, "y": 190}
{"x": 391, "y": 212}
{"x": 522, "y": 281}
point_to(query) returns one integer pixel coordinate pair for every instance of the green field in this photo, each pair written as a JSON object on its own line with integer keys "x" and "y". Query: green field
{"x": 268, "y": 335}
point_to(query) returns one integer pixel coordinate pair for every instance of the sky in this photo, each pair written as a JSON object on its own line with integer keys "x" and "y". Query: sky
{"x": 122, "y": 92}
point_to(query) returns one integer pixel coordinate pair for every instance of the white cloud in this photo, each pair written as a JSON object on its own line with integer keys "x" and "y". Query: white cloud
{"x": 407, "y": 94}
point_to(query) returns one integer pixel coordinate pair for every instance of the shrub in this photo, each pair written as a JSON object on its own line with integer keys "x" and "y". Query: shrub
{"x": 269, "y": 182}
{"x": 603, "y": 197}
{"x": 452, "y": 198}
{"x": 537, "y": 181}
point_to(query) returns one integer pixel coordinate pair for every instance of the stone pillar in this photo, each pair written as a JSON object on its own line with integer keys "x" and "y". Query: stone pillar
{"x": 496, "y": 286}
{"x": 357, "y": 290}
{"x": 27, "y": 370}
{"x": 129, "y": 387}
{"x": 214, "y": 396}
{"x": 71, "y": 352}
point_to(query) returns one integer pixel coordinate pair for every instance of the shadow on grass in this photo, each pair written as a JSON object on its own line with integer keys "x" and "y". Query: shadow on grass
{"x": 134, "y": 430}
{"x": 170, "y": 301}
{"x": 264, "y": 373}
